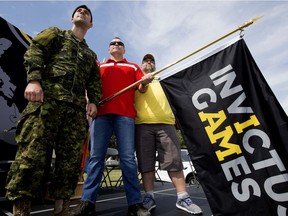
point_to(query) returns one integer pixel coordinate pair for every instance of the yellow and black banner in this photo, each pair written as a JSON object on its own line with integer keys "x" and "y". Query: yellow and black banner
{"x": 236, "y": 132}
{"x": 13, "y": 45}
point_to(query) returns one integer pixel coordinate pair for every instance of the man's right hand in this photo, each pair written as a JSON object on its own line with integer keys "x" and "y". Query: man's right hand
{"x": 34, "y": 92}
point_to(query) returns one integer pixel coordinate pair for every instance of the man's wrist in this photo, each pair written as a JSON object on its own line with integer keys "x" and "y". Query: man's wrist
{"x": 146, "y": 85}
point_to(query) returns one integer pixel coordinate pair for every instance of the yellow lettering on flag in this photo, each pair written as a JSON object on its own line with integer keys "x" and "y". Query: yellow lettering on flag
{"x": 215, "y": 120}
{"x": 241, "y": 126}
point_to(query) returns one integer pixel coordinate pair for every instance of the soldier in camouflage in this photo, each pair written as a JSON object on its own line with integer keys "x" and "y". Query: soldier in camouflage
{"x": 61, "y": 71}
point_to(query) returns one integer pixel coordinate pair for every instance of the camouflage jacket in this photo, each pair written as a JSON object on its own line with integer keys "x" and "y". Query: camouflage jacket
{"x": 65, "y": 67}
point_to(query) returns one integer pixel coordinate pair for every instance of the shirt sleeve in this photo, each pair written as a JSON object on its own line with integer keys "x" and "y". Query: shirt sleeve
{"x": 94, "y": 88}
{"x": 139, "y": 73}
{"x": 38, "y": 53}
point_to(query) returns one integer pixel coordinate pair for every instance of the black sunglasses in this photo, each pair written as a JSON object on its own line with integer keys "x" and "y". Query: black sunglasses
{"x": 119, "y": 43}
{"x": 148, "y": 60}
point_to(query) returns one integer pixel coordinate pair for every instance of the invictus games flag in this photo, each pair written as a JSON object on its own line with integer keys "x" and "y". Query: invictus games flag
{"x": 13, "y": 44}
{"x": 236, "y": 133}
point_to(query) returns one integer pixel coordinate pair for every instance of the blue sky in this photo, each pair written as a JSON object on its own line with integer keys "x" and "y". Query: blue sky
{"x": 170, "y": 29}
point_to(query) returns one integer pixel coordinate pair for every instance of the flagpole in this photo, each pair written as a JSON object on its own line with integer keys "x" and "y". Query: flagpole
{"x": 241, "y": 27}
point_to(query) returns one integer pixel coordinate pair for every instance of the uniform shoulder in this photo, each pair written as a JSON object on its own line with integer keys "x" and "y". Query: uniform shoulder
{"x": 46, "y": 36}
{"x": 54, "y": 29}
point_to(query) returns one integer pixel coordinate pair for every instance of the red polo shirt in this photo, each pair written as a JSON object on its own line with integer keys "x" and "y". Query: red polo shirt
{"x": 116, "y": 76}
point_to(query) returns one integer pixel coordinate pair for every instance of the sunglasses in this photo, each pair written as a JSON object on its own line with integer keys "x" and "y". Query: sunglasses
{"x": 148, "y": 60}
{"x": 114, "y": 43}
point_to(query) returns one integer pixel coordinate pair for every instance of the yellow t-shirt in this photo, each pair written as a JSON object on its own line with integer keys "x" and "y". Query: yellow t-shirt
{"x": 152, "y": 106}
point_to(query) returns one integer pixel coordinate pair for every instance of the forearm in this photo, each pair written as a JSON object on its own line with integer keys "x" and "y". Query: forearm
{"x": 143, "y": 88}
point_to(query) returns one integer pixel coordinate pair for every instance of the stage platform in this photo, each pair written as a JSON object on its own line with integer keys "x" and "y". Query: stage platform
{"x": 112, "y": 202}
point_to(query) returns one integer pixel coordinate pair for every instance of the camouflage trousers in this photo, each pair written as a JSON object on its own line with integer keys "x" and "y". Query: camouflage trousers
{"x": 43, "y": 127}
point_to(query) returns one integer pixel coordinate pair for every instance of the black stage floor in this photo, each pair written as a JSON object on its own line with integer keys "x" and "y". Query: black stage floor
{"x": 112, "y": 202}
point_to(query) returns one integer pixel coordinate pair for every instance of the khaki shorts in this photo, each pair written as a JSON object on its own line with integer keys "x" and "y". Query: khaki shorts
{"x": 162, "y": 138}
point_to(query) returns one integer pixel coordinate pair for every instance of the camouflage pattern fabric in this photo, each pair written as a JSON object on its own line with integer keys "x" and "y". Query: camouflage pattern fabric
{"x": 53, "y": 124}
{"x": 65, "y": 67}
{"x": 67, "y": 70}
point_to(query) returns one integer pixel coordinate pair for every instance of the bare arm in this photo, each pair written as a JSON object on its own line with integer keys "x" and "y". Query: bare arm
{"x": 146, "y": 79}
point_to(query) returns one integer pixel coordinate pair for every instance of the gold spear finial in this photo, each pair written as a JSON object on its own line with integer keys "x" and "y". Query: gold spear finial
{"x": 251, "y": 21}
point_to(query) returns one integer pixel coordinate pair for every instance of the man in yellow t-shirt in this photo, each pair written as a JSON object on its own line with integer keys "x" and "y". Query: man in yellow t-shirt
{"x": 155, "y": 131}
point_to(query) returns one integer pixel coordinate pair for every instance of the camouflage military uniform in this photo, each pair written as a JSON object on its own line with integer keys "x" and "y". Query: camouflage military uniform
{"x": 66, "y": 68}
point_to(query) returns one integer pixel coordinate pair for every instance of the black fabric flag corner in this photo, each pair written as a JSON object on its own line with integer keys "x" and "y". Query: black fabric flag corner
{"x": 236, "y": 133}
{"x": 13, "y": 45}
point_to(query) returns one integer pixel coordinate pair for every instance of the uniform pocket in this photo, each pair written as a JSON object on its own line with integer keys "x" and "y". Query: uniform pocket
{"x": 27, "y": 122}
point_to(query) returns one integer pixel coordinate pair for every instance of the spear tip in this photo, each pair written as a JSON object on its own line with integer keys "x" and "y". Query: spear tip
{"x": 251, "y": 21}
{"x": 256, "y": 18}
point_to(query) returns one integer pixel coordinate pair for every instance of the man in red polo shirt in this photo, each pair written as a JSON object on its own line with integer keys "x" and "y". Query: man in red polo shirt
{"x": 115, "y": 116}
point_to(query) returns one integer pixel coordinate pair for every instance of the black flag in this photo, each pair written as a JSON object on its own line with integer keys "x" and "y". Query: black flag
{"x": 13, "y": 45}
{"x": 236, "y": 133}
